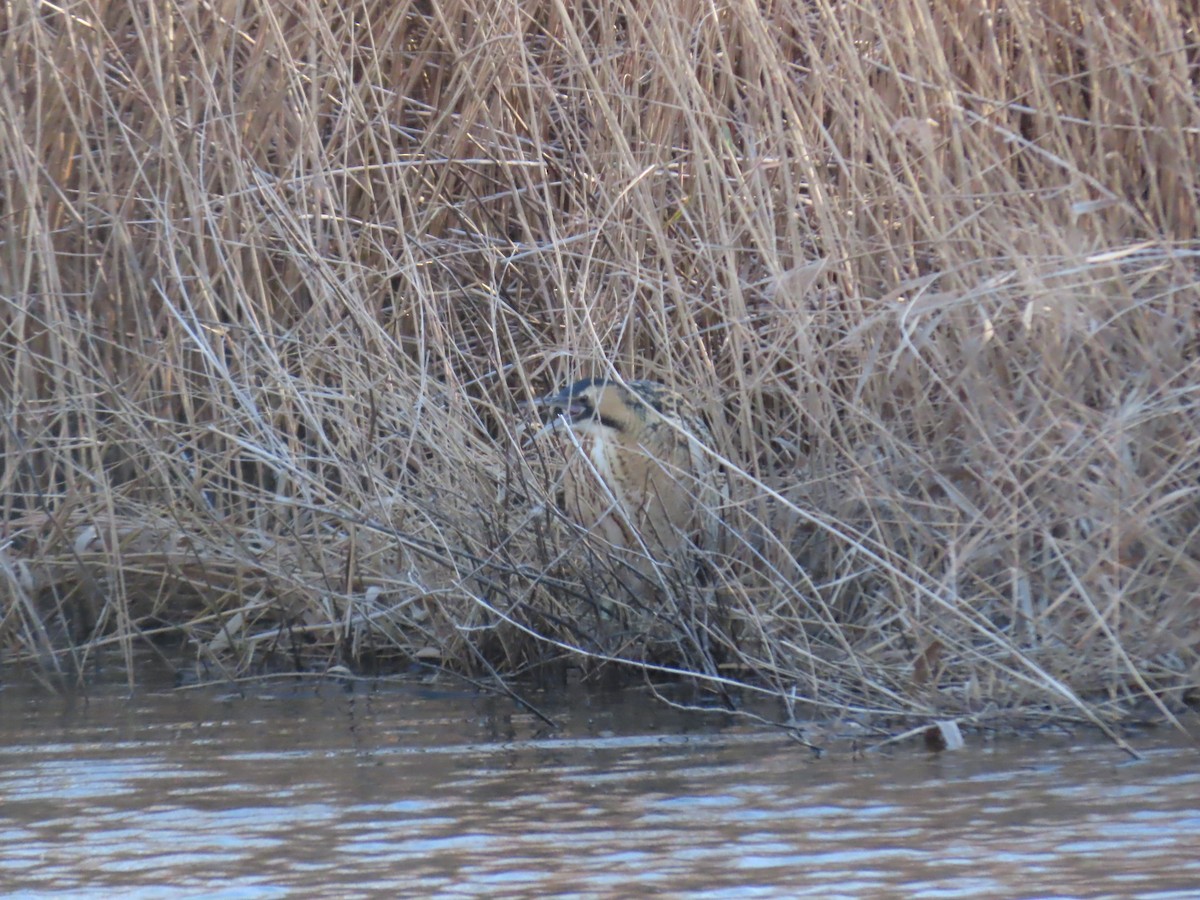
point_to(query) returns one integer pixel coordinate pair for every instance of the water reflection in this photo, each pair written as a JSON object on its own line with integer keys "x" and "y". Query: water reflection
{"x": 403, "y": 792}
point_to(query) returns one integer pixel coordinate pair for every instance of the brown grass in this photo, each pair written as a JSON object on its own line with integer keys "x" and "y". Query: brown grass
{"x": 275, "y": 277}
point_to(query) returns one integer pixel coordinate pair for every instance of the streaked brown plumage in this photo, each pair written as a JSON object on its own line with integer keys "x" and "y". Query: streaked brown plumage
{"x": 636, "y": 476}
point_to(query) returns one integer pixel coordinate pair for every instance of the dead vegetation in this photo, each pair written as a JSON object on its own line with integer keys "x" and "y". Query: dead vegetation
{"x": 274, "y": 279}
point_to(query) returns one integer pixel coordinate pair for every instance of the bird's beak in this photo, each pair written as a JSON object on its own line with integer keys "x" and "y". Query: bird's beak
{"x": 562, "y": 403}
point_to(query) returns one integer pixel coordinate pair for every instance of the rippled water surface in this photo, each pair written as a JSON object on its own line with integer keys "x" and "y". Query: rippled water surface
{"x": 414, "y": 791}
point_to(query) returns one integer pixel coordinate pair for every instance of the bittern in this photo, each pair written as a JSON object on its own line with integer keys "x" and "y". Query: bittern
{"x": 636, "y": 477}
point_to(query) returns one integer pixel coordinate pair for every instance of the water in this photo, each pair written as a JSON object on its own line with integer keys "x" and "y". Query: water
{"x": 413, "y": 791}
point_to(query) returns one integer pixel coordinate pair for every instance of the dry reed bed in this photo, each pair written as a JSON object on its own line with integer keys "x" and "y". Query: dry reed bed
{"x": 275, "y": 278}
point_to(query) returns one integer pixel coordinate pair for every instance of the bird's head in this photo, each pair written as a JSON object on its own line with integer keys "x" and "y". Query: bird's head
{"x": 598, "y": 403}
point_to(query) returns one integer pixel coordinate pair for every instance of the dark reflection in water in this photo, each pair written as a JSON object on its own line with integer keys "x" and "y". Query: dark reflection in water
{"x": 403, "y": 791}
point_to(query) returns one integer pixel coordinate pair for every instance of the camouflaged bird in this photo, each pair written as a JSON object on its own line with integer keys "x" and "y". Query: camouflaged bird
{"x": 636, "y": 477}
